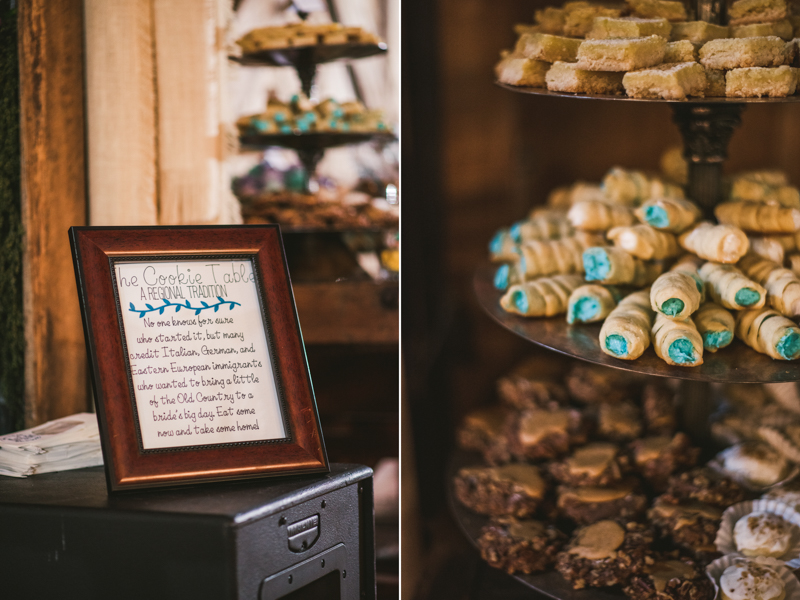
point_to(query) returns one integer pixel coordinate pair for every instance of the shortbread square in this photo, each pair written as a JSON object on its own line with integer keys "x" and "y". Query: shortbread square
{"x": 682, "y": 51}
{"x": 715, "y": 83}
{"x": 698, "y": 32}
{"x": 743, "y": 12}
{"x": 669, "y": 81}
{"x": 518, "y": 70}
{"x": 567, "y": 77}
{"x": 523, "y": 28}
{"x": 734, "y": 53}
{"x": 546, "y": 47}
{"x": 795, "y": 21}
{"x": 621, "y": 54}
{"x": 782, "y": 29}
{"x": 628, "y": 27}
{"x": 653, "y": 9}
{"x": 579, "y": 17}
{"x": 550, "y": 20}
{"x": 754, "y": 82}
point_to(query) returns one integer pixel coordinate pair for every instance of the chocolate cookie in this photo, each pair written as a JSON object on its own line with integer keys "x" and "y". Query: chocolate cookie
{"x": 539, "y": 434}
{"x": 656, "y": 458}
{"x": 483, "y": 430}
{"x": 513, "y": 489}
{"x": 659, "y": 409}
{"x": 520, "y": 546}
{"x": 670, "y": 577}
{"x": 595, "y": 464}
{"x": 705, "y": 485}
{"x": 591, "y": 504}
{"x": 691, "y": 525}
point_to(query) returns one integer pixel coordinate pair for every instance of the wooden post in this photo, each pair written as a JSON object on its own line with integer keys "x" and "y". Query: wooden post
{"x": 53, "y": 199}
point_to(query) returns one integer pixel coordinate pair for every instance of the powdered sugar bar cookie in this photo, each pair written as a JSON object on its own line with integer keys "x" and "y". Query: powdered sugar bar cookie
{"x": 579, "y": 17}
{"x": 621, "y": 54}
{"x": 682, "y": 51}
{"x": 518, "y": 70}
{"x": 715, "y": 83}
{"x": 754, "y": 82}
{"x": 550, "y": 20}
{"x": 743, "y": 12}
{"x": 698, "y": 32}
{"x": 567, "y": 77}
{"x": 628, "y": 27}
{"x": 546, "y": 47}
{"x": 673, "y": 81}
{"x": 783, "y": 29}
{"x": 666, "y": 9}
{"x": 734, "y": 53}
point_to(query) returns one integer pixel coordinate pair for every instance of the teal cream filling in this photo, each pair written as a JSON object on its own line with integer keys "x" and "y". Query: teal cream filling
{"x": 496, "y": 245}
{"x": 520, "y": 301}
{"x": 617, "y": 345}
{"x": 682, "y": 352}
{"x": 698, "y": 282}
{"x": 717, "y": 339}
{"x": 596, "y": 264}
{"x": 501, "y": 278}
{"x": 672, "y": 307}
{"x": 584, "y": 309}
{"x": 516, "y": 232}
{"x": 747, "y": 297}
{"x": 789, "y": 346}
{"x": 656, "y": 217}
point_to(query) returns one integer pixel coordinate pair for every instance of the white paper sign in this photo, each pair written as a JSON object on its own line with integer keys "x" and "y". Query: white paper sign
{"x": 198, "y": 354}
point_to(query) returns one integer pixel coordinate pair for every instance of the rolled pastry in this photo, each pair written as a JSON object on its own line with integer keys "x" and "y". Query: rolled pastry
{"x": 675, "y": 294}
{"x": 543, "y": 297}
{"x": 669, "y": 214}
{"x": 715, "y": 325}
{"x": 549, "y": 227}
{"x": 642, "y": 241}
{"x": 771, "y": 247}
{"x": 614, "y": 265}
{"x": 591, "y": 302}
{"x": 767, "y": 187}
{"x": 793, "y": 260}
{"x": 755, "y": 216}
{"x": 718, "y": 243}
{"x": 661, "y": 188}
{"x": 690, "y": 264}
{"x": 625, "y": 333}
{"x": 624, "y": 186}
{"x": 505, "y": 276}
{"x": 596, "y": 215}
{"x": 677, "y": 341}
{"x": 550, "y": 257}
{"x": 782, "y": 285}
{"x": 766, "y": 331}
{"x": 729, "y": 287}
{"x": 502, "y": 248}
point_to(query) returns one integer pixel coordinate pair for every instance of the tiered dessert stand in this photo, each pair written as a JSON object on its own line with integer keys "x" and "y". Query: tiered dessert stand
{"x": 706, "y": 126}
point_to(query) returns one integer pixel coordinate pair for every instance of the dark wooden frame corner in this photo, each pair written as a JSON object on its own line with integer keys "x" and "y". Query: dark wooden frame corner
{"x": 94, "y": 251}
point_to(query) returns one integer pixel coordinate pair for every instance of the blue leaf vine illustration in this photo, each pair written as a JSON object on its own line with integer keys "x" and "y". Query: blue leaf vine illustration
{"x": 178, "y": 306}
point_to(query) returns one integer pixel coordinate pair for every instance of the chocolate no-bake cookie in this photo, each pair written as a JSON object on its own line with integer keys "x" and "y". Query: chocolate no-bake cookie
{"x": 704, "y": 484}
{"x": 670, "y": 577}
{"x": 659, "y": 409}
{"x": 689, "y": 524}
{"x": 520, "y": 546}
{"x": 591, "y": 384}
{"x": 595, "y": 464}
{"x": 539, "y": 434}
{"x": 620, "y": 421}
{"x": 484, "y": 430}
{"x": 656, "y": 458}
{"x": 513, "y": 489}
{"x": 591, "y": 504}
{"x": 531, "y": 386}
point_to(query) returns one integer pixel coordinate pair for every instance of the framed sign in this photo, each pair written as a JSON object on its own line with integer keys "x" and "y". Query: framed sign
{"x": 198, "y": 364}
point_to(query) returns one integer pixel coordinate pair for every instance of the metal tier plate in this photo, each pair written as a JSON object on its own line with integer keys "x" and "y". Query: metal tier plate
{"x": 735, "y": 364}
{"x": 545, "y": 92}
{"x": 312, "y": 141}
{"x": 318, "y": 54}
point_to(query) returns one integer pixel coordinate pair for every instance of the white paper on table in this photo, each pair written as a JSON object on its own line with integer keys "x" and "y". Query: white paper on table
{"x": 74, "y": 428}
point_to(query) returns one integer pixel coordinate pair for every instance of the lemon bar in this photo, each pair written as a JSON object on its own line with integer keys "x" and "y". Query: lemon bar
{"x": 628, "y": 27}
{"x": 550, "y": 20}
{"x": 758, "y": 81}
{"x": 566, "y": 77}
{"x": 579, "y": 17}
{"x": 734, "y": 53}
{"x": 672, "y": 81}
{"x": 522, "y": 28}
{"x": 783, "y": 29}
{"x": 743, "y": 12}
{"x": 715, "y": 83}
{"x": 518, "y": 70}
{"x": 547, "y": 47}
{"x": 682, "y": 51}
{"x": 621, "y": 54}
{"x": 698, "y": 32}
{"x": 653, "y": 9}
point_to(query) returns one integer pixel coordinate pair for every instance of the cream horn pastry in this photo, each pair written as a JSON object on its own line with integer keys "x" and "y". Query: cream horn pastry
{"x": 669, "y": 214}
{"x": 642, "y": 241}
{"x": 729, "y": 287}
{"x": 675, "y": 294}
{"x": 715, "y": 325}
{"x": 543, "y": 297}
{"x": 771, "y": 247}
{"x": 596, "y": 215}
{"x": 550, "y": 257}
{"x": 625, "y": 333}
{"x": 505, "y": 276}
{"x": 677, "y": 341}
{"x": 611, "y": 265}
{"x": 766, "y": 331}
{"x": 502, "y": 247}
{"x": 755, "y": 216}
{"x": 793, "y": 260}
{"x": 782, "y": 285}
{"x": 718, "y": 243}
{"x": 591, "y": 302}
{"x": 542, "y": 227}
{"x": 690, "y": 264}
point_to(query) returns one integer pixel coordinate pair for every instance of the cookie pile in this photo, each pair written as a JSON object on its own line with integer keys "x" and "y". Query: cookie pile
{"x": 634, "y": 253}
{"x": 296, "y": 35}
{"x": 651, "y": 49}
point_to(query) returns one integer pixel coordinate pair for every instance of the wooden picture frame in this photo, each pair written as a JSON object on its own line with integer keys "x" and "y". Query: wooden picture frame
{"x": 181, "y": 397}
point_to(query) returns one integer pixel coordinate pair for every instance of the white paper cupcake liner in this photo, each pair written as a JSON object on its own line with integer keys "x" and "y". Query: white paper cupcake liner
{"x": 716, "y": 463}
{"x": 790, "y": 583}
{"x": 727, "y": 545}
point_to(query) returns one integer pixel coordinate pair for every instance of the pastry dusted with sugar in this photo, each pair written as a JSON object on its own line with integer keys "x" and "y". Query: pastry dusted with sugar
{"x": 628, "y": 27}
{"x": 541, "y": 226}
{"x": 734, "y": 53}
{"x": 771, "y": 247}
{"x": 546, "y": 47}
{"x": 651, "y": 9}
{"x": 680, "y": 51}
{"x": 567, "y": 77}
{"x": 755, "y": 82}
{"x": 698, "y": 32}
{"x": 579, "y": 17}
{"x": 718, "y": 243}
{"x": 742, "y": 12}
{"x": 766, "y": 187}
{"x": 549, "y": 257}
{"x": 677, "y": 341}
{"x": 715, "y": 325}
{"x": 669, "y": 214}
{"x": 543, "y": 297}
{"x": 626, "y": 331}
{"x": 626, "y": 186}
{"x": 621, "y": 54}
{"x": 728, "y": 286}
{"x": 515, "y": 69}
{"x": 591, "y": 303}
{"x": 675, "y": 294}
{"x": 672, "y": 81}
{"x": 614, "y": 265}
{"x": 645, "y": 242}
{"x": 758, "y": 217}
{"x": 783, "y": 29}
{"x": 767, "y": 332}
{"x": 782, "y": 285}
{"x": 597, "y": 215}
{"x": 674, "y": 166}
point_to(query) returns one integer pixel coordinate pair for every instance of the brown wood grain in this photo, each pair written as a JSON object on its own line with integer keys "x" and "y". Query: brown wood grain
{"x": 53, "y": 197}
